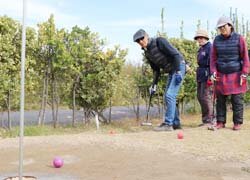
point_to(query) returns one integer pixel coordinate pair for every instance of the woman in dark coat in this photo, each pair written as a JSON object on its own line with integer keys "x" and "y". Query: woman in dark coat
{"x": 204, "y": 88}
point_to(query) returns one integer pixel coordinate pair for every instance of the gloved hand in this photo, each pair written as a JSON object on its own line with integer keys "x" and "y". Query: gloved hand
{"x": 213, "y": 77}
{"x": 152, "y": 89}
{"x": 243, "y": 78}
{"x": 178, "y": 78}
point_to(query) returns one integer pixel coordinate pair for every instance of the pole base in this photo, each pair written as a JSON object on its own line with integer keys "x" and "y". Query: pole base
{"x": 24, "y": 178}
{"x": 212, "y": 128}
{"x": 146, "y": 124}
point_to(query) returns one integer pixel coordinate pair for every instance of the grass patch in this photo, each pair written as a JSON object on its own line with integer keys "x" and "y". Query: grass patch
{"x": 121, "y": 126}
{"x": 246, "y": 169}
{"x": 128, "y": 125}
{"x": 45, "y": 130}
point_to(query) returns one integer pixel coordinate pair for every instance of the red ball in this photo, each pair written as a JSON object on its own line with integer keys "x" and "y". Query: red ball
{"x": 58, "y": 162}
{"x": 180, "y": 135}
{"x": 209, "y": 82}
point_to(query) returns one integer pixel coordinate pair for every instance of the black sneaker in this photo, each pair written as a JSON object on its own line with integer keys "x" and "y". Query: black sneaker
{"x": 164, "y": 127}
{"x": 177, "y": 126}
{"x": 204, "y": 124}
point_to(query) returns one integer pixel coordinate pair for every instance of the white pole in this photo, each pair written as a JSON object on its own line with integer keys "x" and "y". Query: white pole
{"x": 97, "y": 121}
{"x": 22, "y": 93}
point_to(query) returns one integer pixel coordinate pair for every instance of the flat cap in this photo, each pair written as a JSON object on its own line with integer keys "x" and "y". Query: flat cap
{"x": 139, "y": 34}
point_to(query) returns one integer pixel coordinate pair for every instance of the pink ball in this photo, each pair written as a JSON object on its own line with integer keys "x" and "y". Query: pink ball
{"x": 58, "y": 162}
{"x": 180, "y": 135}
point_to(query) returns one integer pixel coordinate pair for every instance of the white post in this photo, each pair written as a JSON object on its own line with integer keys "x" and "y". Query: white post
{"x": 97, "y": 121}
{"x": 22, "y": 93}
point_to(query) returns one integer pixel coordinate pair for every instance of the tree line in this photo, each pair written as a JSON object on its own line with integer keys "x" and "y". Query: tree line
{"x": 74, "y": 68}
{"x": 63, "y": 68}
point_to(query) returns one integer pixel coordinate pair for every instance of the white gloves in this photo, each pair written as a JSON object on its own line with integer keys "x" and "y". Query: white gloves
{"x": 152, "y": 89}
{"x": 243, "y": 78}
{"x": 213, "y": 77}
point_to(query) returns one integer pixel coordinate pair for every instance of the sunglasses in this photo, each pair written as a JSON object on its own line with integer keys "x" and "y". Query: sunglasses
{"x": 140, "y": 39}
{"x": 222, "y": 27}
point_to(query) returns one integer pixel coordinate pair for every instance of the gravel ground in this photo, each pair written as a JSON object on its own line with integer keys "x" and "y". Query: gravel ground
{"x": 202, "y": 154}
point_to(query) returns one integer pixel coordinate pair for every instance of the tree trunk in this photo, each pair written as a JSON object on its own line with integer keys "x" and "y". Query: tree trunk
{"x": 45, "y": 97}
{"x": 182, "y": 107}
{"x": 57, "y": 107}
{"x": 42, "y": 102}
{"x": 9, "y": 109}
{"x": 101, "y": 116}
{"x": 74, "y": 99}
{"x": 53, "y": 100}
{"x": 84, "y": 118}
{"x": 2, "y": 123}
{"x": 57, "y": 101}
{"x": 87, "y": 115}
{"x": 159, "y": 106}
{"x": 73, "y": 105}
{"x": 138, "y": 106}
{"x": 110, "y": 110}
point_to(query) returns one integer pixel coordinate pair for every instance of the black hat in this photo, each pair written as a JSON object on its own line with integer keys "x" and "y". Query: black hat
{"x": 139, "y": 34}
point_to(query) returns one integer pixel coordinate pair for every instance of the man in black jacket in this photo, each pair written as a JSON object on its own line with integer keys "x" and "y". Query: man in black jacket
{"x": 162, "y": 55}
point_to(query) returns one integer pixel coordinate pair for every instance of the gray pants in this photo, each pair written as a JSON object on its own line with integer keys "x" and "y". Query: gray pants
{"x": 204, "y": 95}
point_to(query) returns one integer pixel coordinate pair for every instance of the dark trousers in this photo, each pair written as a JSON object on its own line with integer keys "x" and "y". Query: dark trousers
{"x": 204, "y": 95}
{"x": 237, "y": 107}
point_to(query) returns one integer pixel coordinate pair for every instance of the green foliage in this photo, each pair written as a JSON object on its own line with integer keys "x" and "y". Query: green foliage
{"x": 97, "y": 80}
{"x": 189, "y": 50}
{"x": 79, "y": 59}
{"x": 64, "y": 59}
{"x": 10, "y": 35}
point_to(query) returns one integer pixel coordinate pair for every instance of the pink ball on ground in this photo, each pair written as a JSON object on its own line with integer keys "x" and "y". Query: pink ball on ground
{"x": 58, "y": 162}
{"x": 180, "y": 135}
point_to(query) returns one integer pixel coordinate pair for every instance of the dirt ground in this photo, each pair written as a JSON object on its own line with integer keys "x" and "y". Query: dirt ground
{"x": 146, "y": 155}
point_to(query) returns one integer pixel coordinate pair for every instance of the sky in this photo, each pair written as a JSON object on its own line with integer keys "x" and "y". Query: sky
{"x": 117, "y": 21}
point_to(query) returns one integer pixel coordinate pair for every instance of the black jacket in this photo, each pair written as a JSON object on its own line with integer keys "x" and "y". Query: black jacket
{"x": 162, "y": 55}
{"x": 203, "y": 60}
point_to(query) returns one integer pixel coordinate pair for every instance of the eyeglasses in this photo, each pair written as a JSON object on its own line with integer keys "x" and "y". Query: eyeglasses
{"x": 140, "y": 39}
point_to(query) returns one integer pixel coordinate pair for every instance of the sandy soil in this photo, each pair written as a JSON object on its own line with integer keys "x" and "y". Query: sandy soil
{"x": 148, "y": 155}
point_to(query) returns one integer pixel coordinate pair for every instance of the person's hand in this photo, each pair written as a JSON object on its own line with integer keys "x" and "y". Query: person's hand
{"x": 152, "y": 89}
{"x": 188, "y": 69}
{"x": 178, "y": 78}
{"x": 213, "y": 77}
{"x": 243, "y": 78}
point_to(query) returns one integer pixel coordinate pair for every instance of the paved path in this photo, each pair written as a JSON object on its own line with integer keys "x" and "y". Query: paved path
{"x": 65, "y": 116}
